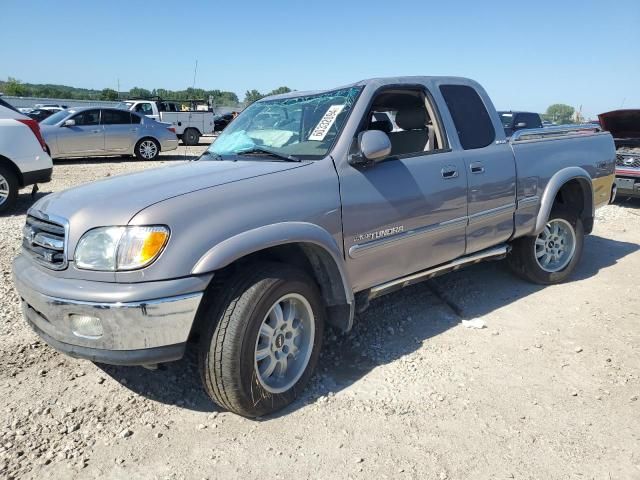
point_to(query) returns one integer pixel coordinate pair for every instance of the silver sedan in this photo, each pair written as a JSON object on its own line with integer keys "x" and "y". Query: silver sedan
{"x": 91, "y": 132}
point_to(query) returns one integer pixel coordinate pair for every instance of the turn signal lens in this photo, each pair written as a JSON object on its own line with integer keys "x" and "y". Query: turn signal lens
{"x": 140, "y": 246}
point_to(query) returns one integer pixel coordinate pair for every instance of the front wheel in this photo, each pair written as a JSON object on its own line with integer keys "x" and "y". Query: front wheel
{"x": 147, "y": 149}
{"x": 552, "y": 255}
{"x": 263, "y": 340}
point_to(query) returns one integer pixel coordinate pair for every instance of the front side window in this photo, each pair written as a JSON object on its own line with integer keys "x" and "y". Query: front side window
{"x": 116, "y": 117}
{"x": 144, "y": 109}
{"x": 408, "y": 118}
{"x": 88, "y": 117}
{"x": 470, "y": 116}
{"x": 305, "y": 126}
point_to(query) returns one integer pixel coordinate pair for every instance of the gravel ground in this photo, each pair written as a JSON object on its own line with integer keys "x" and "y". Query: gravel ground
{"x": 549, "y": 389}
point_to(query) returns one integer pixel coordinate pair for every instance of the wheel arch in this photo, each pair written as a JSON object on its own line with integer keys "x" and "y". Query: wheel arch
{"x": 14, "y": 168}
{"x": 573, "y": 187}
{"x": 304, "y": 245}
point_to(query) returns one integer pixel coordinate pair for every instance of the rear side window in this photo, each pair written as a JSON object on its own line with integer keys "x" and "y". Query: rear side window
{"x": 470, "y": 116}
{"x": 135, "y": 118}
{"x": 116, "y": 117}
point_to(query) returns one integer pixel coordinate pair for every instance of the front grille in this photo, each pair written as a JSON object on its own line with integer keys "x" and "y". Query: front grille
{"x": 627, "y": 160}
{"x": 44, "y": 240}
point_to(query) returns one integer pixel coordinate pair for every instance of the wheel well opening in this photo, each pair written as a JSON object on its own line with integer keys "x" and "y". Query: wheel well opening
{"x": 575, "y": 196}
{"x": 4, "y": 161}
{"x": 313, "y": 260}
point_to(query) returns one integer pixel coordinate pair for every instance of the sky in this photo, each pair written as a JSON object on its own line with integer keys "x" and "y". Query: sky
{"x": 527, "y": 55}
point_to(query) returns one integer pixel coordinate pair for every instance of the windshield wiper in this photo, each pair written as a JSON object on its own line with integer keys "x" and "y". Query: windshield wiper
{"x": 256, "y": 149}
{"x": 208, "y": 153}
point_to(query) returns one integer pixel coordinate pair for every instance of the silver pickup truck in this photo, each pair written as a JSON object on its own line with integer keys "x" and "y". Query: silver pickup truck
{"x": 306, "y": 207}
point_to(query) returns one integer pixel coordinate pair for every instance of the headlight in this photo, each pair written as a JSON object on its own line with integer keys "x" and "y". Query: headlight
{"x": 120, "y": 248}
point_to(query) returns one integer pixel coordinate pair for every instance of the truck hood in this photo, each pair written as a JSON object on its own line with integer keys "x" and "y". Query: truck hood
{"x": 115, "y": 200}
{"x": 621, "y": 123}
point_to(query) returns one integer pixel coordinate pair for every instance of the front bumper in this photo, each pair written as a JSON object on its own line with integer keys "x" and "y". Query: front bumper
{"x": 133, "y": 332}
{"x": 628, "y": 182}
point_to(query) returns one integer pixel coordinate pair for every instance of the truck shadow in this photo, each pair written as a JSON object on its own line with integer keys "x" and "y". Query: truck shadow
{"x": 394, "y": 326}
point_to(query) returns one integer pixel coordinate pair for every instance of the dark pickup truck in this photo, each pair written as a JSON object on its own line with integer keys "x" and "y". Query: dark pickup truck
{"x": 514, "y": 121}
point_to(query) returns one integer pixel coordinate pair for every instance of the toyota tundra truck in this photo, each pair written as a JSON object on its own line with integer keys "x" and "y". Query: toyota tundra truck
{"x": 306, "y": 207}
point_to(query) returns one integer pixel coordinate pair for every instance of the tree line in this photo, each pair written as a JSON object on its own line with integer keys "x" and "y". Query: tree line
{"x": 17, "y": 88}
{"x": 557, "y": 113}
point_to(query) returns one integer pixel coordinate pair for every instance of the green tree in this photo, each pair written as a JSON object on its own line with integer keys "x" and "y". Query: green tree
{"x": 251, "y": 96}
{"x": 559, "y": 113}
{"x": 15, "y": 88}
{"x": 280, "y": 90}
{"x": 137, "y": 92}
{"x": 108, "y": 94}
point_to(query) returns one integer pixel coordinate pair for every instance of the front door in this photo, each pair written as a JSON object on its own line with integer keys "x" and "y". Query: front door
{"x": 408, "y": 212}
{"x": 85, "y": 137}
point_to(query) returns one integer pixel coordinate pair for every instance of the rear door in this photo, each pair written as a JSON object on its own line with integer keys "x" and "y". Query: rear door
{"x": 119, "y": 134}
{"x": 85, "y": 137}
{"x": 489, "y": 164}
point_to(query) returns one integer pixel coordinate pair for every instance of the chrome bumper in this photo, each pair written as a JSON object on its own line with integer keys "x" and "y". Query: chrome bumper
{"x": 128, "y": 328}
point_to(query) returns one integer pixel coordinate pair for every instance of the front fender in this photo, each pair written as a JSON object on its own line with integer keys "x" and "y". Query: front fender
{"x": 261, "y": 238}
{"x": 557, "y": 181}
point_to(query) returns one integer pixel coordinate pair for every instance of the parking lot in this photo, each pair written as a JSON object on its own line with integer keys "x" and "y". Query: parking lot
{"x": 549, "y": 389}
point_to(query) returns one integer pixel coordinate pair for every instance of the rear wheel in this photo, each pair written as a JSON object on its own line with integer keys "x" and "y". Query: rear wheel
{"x": 263, "y": 339}
{"x": 8, "y": 189}
{"x": 552, "y": 255}
{"x": 191, "y": 136}
{"x": 147, "y": 149}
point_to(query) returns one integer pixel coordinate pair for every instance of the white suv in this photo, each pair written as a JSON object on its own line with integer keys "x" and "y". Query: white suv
{"x": 23, "y": 155}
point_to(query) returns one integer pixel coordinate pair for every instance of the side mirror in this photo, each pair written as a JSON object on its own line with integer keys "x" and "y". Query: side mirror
{"x": 521, "y": 125}
{"x": 373, "y": 145}
{"x": 69, "y": 123}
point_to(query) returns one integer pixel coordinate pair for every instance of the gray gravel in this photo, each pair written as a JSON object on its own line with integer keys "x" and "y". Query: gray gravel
{"x": 549, "y": 389}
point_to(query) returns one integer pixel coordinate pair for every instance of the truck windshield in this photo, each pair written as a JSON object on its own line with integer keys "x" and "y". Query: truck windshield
{"x": 304, "y": 127}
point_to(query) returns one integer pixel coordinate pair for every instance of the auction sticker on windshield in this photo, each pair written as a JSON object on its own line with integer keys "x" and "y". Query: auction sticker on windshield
{"x": 325, "y": 123}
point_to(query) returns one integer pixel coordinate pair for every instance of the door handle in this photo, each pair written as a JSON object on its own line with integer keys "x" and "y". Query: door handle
{"x": 477, "y": 167}
{"x": 95, "y": 131}
{"x": 449, "y": 172}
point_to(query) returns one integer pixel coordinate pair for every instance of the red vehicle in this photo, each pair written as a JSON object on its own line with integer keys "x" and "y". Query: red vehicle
{"x": 624, "y": 126}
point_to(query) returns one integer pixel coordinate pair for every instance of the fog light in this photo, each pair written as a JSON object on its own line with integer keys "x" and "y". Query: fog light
{"x": 86, "y": 326}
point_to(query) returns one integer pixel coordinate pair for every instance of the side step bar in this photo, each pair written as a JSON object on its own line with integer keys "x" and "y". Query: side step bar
{"x": 493, "y": 253}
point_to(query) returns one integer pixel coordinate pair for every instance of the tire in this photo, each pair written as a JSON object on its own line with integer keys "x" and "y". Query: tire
{"x": 8, "y": 189}
{"x": 191, "y": 137}
{"x": 147, "y": 149}
{"x": 527, "y": 258}
{"x": 235, "y": 337}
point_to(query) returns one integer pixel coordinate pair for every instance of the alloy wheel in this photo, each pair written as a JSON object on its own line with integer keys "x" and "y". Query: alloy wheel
{"x": 555, "y": 245}
{"x": 284, "y": 344}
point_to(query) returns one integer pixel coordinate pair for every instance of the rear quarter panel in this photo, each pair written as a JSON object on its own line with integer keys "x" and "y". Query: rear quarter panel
{"x": 537, "y": 161}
